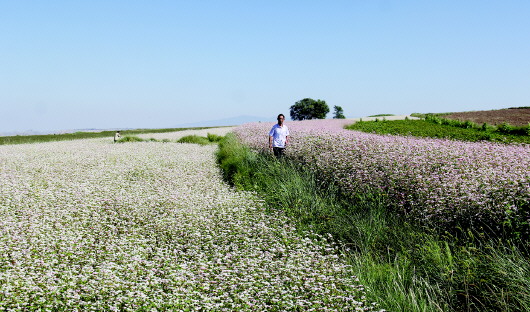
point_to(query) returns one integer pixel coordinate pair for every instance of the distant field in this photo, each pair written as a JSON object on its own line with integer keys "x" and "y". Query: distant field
{"x": 22, "y": 139}
{"x": 518, "y": 116}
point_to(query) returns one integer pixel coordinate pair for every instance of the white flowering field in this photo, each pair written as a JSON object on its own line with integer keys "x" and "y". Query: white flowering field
{"x": 88, "y": 225}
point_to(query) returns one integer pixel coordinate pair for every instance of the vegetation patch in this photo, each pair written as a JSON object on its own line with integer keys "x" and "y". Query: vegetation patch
{"x": 131, "y": 138}
{"x": 195, "y": 139}
{"x": 436, "y": 127}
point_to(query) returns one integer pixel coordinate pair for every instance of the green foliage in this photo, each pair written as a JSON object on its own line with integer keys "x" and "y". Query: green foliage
{"x": 339, "y": 112}
{"x": 195, "y": 139}
{"x": 404, "y": 266}
{"x": 214, "y": 137}
{"x": 309, "y": 109}
{"x": 436, "y": 127}
{"x": 504, "y": 128}
{"x": 130, "y": 138}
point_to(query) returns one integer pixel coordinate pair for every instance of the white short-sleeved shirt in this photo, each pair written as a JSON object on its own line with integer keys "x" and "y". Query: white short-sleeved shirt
{"x": 279, "y": 135}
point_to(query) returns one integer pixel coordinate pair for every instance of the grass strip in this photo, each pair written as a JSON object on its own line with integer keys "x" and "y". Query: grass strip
{"x": 404, "y": 267}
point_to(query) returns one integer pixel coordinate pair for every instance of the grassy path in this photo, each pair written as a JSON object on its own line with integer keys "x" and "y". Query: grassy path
{"x": 91, "y": 225}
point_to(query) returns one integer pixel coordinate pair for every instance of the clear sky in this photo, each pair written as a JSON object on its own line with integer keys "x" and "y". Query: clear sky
{"x": 156, "y": 64}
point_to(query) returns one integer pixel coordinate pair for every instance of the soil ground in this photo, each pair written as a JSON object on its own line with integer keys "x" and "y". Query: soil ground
{"x": 512, "y": 116}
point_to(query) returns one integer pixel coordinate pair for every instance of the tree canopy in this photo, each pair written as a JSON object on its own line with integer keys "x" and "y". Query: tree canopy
{"x": 309, "y": 109}
{"x": 339, "y": 112}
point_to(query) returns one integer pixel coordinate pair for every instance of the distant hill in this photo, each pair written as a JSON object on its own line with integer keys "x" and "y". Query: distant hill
{"x": 234, "y": 121}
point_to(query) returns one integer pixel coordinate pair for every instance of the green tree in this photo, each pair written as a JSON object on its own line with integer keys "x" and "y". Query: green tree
{"x": 309, "y": 109}
{"x": 339, "y": 112}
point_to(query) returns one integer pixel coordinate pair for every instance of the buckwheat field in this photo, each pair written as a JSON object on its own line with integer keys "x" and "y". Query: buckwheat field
{"x": 89, "y": 225}
{"x": 436, "y": 181}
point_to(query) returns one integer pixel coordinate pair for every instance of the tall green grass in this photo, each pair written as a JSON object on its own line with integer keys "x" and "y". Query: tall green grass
{"x": 403, "y": 266}
{"x": 195, "y": 139}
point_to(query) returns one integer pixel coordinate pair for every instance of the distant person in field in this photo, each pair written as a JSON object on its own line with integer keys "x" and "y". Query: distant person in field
{"x": 278, "y": 137}
{"x": 117, "y": 136}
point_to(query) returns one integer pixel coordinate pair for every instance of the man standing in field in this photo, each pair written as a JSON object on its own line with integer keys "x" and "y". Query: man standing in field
{"x": 278, "y": 137}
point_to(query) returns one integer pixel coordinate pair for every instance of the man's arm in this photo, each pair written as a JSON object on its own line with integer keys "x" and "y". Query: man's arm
{"x": 270, "y": 141}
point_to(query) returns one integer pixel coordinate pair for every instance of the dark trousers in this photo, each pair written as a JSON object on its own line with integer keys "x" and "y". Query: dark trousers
{"x": 278, "y": 151}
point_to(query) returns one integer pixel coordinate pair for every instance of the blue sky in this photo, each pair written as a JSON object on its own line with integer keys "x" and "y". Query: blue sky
{"x": 155, "y": 64}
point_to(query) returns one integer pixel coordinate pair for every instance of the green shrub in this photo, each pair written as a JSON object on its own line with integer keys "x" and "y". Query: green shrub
{"x": 504, "y": 128}
{"x": 194, "y": 139}
{"x": 468, "y": 124}
{"x": 130, "y": 138}
{"x": 214, "y": 137}
{"x": 513, "y": 130}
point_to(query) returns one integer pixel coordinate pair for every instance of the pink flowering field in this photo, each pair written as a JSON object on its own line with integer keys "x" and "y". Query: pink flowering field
{"x": 88, "y": 225}
{"x": 437, "y": 181}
